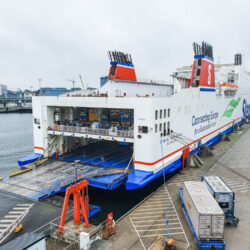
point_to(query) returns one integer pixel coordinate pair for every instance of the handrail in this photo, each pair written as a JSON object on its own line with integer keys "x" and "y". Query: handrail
{"x": 96, "y": 131}
{"x": 127, "y": 168}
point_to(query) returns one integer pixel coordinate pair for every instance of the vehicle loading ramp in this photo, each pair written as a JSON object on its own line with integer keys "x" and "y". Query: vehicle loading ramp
{"x": 104, "y": 153}
{"x": 55, "y": 176}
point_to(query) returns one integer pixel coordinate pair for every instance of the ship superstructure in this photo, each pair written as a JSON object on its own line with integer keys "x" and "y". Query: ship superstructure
{"x": 143, "y": 128}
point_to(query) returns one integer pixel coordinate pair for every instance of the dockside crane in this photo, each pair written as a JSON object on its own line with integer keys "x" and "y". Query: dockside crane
{"x": 81, "y": 81}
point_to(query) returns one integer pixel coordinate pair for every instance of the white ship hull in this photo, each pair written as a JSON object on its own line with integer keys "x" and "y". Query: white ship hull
{"x": 165, "y": 122}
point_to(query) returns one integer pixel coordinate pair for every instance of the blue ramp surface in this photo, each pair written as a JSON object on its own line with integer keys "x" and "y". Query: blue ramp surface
{"x": 55, "y": 176}
{"x": 104, "y": 154}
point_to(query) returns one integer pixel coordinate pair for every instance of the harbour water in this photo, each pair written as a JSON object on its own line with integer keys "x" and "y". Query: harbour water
{"x": 16, "y": 140}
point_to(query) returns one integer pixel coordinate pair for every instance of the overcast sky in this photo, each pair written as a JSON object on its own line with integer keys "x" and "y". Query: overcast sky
{"x": 57, "y": 39}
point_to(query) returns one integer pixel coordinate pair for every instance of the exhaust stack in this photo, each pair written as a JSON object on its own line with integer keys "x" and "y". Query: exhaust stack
{"x": 203, "y": 67}
{"x": 121, "y": 67}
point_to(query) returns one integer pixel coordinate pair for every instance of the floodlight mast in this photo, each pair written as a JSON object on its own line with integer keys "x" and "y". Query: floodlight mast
{"x": 73, "y": 82}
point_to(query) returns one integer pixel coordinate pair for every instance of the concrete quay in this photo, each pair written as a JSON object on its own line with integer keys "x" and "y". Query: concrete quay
{"x": 145, "y": 226}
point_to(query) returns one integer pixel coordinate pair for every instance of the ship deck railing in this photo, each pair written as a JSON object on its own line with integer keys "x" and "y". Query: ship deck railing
{"x": 94, "y": 131}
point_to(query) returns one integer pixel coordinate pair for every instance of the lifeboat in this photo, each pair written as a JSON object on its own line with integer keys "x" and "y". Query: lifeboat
{"x": 226, "y": 84}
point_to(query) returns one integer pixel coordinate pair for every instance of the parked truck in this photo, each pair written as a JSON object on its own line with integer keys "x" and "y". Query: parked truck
{"x": 224, "y": 196}
{"x": 205, "y": 216}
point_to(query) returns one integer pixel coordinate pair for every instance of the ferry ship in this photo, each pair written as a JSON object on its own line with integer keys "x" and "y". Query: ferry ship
{"x": 136, "y": 130}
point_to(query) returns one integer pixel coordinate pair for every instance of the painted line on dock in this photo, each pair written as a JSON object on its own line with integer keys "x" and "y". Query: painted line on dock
{"x": 241, "y": 189}
{"x": 143, "y": 220}
{"x": 157, "y": 216}
{"x": 15, "y": 212}
{"x": 4, "y": 225}
{"x": 11, "y": 216}
{"x": 164, "y": 224}
{"x": 238, "y": 185}
{"x": 153, "y": 209}
{"x": 152, "y": 201}
{"x": 154, "y": 212}
{"x": 9, "y": 221}
{"x": 188, "y": 175}
{"x": 155, "y": 202}
{"x": 234, "y": 184}
{"x": 137, "y": 234}
{"x": 170, "y": 219}
{"x": 155, "y": 235}
{"x": 158, "y": 229}
{"x": 160, "y": 199}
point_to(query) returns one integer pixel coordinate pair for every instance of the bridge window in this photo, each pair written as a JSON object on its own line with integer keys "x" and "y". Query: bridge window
{"x": 199, "y": 62}
{"x": 160, "y": 113}
{"x": 36, "y": 120}
{"x": 165, "y": 113}
{"x": 160, "y": 127}
{"x": 156, "y": 114}
{"x": 198, "y": 72}
{"x": 113, "y": 69}
{"x": 168, "y": 112}
{"x": 143, "y": 129}
{"x": 156, "y": 128}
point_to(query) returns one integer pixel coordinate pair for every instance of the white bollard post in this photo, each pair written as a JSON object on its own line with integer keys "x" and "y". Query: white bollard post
{"x": 84, "y": 241}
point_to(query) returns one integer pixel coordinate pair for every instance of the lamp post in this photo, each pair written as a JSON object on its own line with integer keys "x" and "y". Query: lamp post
{"x": 76, "y": 164}
{"x": 39, "y": 80}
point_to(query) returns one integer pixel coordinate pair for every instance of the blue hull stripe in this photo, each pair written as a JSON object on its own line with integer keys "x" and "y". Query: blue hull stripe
{"x": 139, "y": 178}
{"x": 207, "y": 89}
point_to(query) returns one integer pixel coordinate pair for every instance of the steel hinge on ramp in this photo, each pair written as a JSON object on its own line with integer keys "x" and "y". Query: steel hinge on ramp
{"x": 10, "y": 221}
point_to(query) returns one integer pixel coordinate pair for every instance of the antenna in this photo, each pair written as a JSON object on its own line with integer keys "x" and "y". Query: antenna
{"x": 73, "y": 82}
{"x": 39, "y": 80}
{"x": 81, "y": 81}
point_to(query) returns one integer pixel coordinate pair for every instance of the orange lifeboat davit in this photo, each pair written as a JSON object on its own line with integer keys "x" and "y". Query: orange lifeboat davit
{"x": 226, "y": 84}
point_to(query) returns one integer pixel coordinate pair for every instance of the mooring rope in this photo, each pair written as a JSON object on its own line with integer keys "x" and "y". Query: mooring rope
{"x": 168, "y": 234}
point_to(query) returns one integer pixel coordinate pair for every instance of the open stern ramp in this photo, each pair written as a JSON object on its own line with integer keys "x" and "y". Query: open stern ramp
{"x": 56, "y": 176}
{"x": 102, "y": 165}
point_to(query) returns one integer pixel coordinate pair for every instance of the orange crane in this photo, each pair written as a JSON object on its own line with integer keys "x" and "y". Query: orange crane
{"x": 79, "y": 199}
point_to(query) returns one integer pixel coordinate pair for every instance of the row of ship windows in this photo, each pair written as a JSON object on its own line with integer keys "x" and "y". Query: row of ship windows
{"x": 163, "y": 127}
{"x": 162, "y": 113}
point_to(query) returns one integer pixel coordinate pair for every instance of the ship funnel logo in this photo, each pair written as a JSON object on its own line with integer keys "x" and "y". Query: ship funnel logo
{"x": 233, "y": 104}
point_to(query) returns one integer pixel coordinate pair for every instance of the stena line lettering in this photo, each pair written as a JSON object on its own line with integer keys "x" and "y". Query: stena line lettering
{"x": 205, "y": 122}
{"x": 245, "y": 108}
